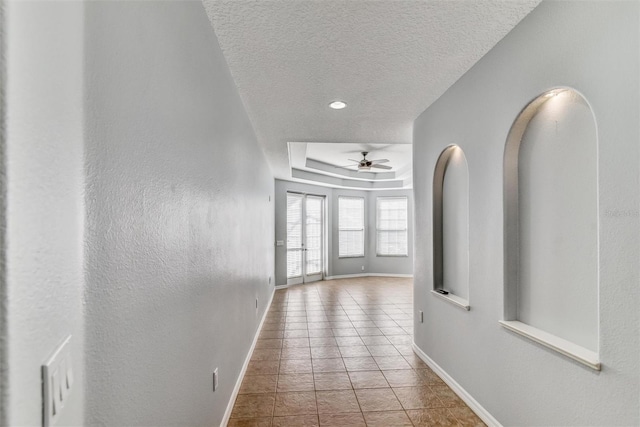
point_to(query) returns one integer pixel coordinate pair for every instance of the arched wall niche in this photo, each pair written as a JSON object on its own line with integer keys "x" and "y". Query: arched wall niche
{"x": 551, "y": 225}
{"x": 451, "y": 227}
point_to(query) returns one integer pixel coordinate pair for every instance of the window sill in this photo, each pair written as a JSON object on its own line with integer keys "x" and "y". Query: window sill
{"x": 350, "y": 256}
{"x": 453, "y": 299}
{"x": 562, "y": 346}
{"x": 393, "y": 256}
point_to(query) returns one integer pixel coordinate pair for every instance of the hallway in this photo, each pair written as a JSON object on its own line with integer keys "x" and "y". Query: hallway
{"x": 169, "y": 167}
{"x": 338, "y": 353}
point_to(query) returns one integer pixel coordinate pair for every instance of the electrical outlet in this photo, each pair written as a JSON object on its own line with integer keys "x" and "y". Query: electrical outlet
{"x": 57, "y": 383}
{"x": 215, "y": 379}
{"x": 363, "y": 268}
{"x": 421, "y": 316}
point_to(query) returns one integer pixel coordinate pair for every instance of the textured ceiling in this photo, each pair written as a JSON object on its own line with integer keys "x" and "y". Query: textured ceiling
{"x": 389, "y": 60}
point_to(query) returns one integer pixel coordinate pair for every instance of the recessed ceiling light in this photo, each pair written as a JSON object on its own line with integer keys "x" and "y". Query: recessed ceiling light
{"x": 338, "y": 105}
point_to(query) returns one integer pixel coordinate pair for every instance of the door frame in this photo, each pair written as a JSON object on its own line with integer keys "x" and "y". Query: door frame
{"x": 304, "y": 278}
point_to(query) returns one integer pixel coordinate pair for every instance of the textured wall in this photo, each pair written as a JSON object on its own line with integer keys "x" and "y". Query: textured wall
{"x": 179, "y": 222}
{"x": 594, "y": 48}
{"x": 339, "y": 266}
{"x": 45, "y": 213}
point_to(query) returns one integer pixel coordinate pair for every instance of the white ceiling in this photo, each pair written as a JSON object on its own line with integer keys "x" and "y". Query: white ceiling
{"x": 389, "y": 60}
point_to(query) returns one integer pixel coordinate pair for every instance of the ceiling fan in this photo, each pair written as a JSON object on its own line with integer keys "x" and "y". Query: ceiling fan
{"x": 366, "y": 164}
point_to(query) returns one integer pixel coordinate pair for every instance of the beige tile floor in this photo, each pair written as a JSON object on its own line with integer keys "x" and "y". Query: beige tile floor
{"x": 338, "y": 353}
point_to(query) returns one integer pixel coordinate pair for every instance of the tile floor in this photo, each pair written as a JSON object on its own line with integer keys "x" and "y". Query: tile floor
{"x": 338, "y": 353}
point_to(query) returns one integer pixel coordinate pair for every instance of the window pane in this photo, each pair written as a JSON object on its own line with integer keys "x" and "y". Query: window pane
{"x": 351, "y": 226}
{"x": 392, "y": 243}
{"x": 392, "y": 213}
{"x": 294, "y": 263}
{"x": 391, "y": 221}
{"x": 351, "y": 243}
{"x": 294, "y": 221}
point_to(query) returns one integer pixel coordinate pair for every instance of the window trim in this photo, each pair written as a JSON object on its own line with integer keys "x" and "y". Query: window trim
{"x": 363, "y": 229}
{"x": 406, "y": 229}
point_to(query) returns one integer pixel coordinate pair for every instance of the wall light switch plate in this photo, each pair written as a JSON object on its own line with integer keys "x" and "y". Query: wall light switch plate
{"x": 57, "y": 383}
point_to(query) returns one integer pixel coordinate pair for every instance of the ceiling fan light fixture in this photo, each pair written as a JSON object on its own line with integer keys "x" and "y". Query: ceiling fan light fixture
{"x": 338, "y": 105}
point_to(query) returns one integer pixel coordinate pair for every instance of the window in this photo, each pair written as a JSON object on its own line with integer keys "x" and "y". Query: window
{"x": 391, "y": 226}
{"x": 351, "y": 226}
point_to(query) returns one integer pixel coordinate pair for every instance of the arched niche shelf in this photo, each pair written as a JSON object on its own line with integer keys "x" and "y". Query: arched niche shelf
{"x": 551, "y": 225}
{"x": 451, "y": 227}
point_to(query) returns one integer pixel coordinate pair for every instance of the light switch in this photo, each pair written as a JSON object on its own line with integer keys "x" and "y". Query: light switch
{"x": 57, "y": 380}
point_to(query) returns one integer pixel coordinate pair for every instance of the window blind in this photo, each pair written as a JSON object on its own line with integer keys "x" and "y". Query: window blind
{"x": 391, "y": 226}
{"x": 313, "y": 235}
{"x": 350, "y": 226}
{"x": 294, "y": 235}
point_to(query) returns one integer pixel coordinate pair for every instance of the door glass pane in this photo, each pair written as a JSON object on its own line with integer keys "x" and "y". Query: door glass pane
{"x": 314, "y": 235}
{"x": 294, "y": 235}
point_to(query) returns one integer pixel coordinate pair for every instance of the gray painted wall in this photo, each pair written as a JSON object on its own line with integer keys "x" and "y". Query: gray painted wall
{"x": 178, "y": 243}
{"x": 129, "y": 108}
{"x": 594, "y": 48}
{"x": 341, "y": 266}
{"x": 44, "y": 168}
{"x": 4, "y": 341}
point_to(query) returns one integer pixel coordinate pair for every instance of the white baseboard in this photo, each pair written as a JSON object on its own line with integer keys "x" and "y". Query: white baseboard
{"x": 281, "y": 287}
{"x": 389, "y": 275}
{"x": 480, "y": 411}
{"x": 236, "y": 388}
{"x": 345, "y": 276}
{"x": 348, "y": 276}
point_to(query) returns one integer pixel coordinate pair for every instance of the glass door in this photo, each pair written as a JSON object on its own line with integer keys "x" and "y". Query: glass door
{"x": 305, "y": 236}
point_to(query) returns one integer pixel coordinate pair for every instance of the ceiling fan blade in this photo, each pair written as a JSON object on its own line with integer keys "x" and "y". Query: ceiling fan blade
{"x": 381, "y": 161}
{"x": 347, "y": 166}
{"x": 357, "y": 161}
{"x": 381, "y": 166}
